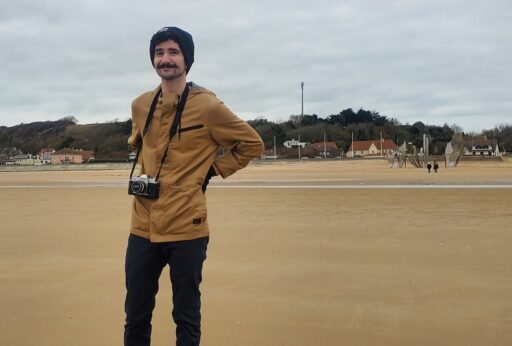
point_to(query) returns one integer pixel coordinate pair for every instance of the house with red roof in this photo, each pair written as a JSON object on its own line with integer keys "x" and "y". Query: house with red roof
{"x": 70, "y": 156}
{"x": 46, "y": 155}
{"x": 372, "y": 148}
{"x": 325, "y": 149}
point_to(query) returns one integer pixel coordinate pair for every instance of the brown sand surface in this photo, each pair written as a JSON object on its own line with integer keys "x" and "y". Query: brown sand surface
{"x": 292, "y": 266}
{"x": 346, "y": 172}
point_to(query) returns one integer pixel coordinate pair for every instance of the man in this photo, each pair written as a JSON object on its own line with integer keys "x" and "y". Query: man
{"x": 172, "y": 229}
{"x": 436, "y": 166}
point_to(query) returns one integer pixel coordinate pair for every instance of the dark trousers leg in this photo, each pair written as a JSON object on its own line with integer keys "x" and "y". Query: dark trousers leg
{"x": 186, "y": 263}
{"x": 143, "y": 266}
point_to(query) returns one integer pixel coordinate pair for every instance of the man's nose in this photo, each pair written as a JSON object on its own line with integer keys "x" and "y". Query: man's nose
{"x": 166, "y": 57}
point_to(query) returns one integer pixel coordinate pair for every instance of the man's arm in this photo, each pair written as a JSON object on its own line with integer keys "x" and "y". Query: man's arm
{"x": 241, "y": 140}
{"x": 135, "y": 138}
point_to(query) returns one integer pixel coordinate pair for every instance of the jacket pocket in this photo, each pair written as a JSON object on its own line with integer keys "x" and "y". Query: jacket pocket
{"x": 140, "y": 215}
{"x": 180, "y": 210}
{"x": 190, "y": 128}
{"x": 200, "y": 133}
{"x": 189, "y": 149}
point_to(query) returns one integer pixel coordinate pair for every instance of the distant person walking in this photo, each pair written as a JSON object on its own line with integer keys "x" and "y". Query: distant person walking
{"x": 436, "y": 166}
{"x": 429, "y": 167}
{"x": 177, "y": 128}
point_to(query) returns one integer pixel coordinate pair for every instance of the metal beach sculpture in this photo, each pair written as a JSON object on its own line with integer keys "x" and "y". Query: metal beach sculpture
{"x": 454, "y": 150}
{"x": 404, "y": 153}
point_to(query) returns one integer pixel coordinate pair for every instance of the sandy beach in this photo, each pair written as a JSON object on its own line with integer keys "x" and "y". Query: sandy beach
{"x": 300, "y": 254}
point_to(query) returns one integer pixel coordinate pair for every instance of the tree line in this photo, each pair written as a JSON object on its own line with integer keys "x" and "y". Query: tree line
{"x": 366, "y": 125}
{"x": 109, "y": 140}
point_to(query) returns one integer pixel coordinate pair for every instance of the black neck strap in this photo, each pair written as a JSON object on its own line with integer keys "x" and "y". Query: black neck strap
{"x": 175, "y": 124}
{"x": 174, "y": 127}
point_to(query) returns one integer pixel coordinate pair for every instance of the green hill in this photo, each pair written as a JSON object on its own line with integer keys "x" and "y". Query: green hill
{"x": 107, "y": 140}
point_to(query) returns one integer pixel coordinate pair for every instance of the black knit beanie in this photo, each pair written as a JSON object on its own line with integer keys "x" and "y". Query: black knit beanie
{"x": 181, "y": 37}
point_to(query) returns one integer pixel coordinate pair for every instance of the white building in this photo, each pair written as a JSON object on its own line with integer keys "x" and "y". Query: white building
{"x": 26, "y": 160}
{"x": 294, "y": 143}
{"x": 481, "y": 146}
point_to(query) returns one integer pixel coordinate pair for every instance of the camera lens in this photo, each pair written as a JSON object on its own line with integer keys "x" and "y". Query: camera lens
{"x": 138, "y": 186}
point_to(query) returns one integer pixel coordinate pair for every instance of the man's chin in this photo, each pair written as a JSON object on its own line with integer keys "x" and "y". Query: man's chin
{"x": 169, "y": 76}
{"x": 172, "y": 78}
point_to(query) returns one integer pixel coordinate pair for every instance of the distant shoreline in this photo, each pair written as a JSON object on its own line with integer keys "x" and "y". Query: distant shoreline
{"x": 71, "y": 167}
{"x": 128, "y": 165}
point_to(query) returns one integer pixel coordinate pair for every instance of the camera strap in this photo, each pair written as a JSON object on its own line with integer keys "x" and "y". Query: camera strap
{"x": 174, "y": 127}
{"x": 177, "y": 122}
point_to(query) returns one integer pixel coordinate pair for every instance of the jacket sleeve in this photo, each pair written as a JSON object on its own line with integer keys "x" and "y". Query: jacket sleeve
{"x": 135, "y": 138}
{"x": 241, "y": 141}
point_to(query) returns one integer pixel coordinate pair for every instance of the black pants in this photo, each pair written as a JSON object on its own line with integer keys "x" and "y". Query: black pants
{"x": 144, "y": 264}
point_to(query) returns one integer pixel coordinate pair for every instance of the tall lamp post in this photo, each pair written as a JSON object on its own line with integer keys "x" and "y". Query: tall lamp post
{"x": 302, "y": 99}
{"x": 301, "y": 107}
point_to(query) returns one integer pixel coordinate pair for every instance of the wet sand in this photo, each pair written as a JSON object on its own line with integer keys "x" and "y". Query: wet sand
{"x": 294, "y": 266}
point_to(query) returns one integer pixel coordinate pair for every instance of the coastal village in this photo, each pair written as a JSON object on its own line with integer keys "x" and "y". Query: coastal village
{"x": 474, "y": 146}
{"x": 47, "y": 156}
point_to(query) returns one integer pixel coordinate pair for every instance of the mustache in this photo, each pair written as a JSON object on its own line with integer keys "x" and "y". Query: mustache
{"x": 167, "y": 65}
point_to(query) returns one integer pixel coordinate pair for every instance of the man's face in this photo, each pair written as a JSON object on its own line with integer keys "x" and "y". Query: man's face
{"x": 169, "y": 61}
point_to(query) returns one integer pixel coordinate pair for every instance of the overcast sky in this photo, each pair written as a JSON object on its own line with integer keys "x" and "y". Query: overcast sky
{"x": 435, "y": 61}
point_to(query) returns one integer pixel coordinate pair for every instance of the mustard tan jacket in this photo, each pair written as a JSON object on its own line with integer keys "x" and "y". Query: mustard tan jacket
{"x": 207, "y": 124}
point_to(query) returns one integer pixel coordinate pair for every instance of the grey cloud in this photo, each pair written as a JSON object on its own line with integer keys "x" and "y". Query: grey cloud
{"x": 434, "y": 61}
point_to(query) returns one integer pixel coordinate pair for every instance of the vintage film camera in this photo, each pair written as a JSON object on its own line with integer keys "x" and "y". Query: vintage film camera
{"x": 144, "y": 186}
